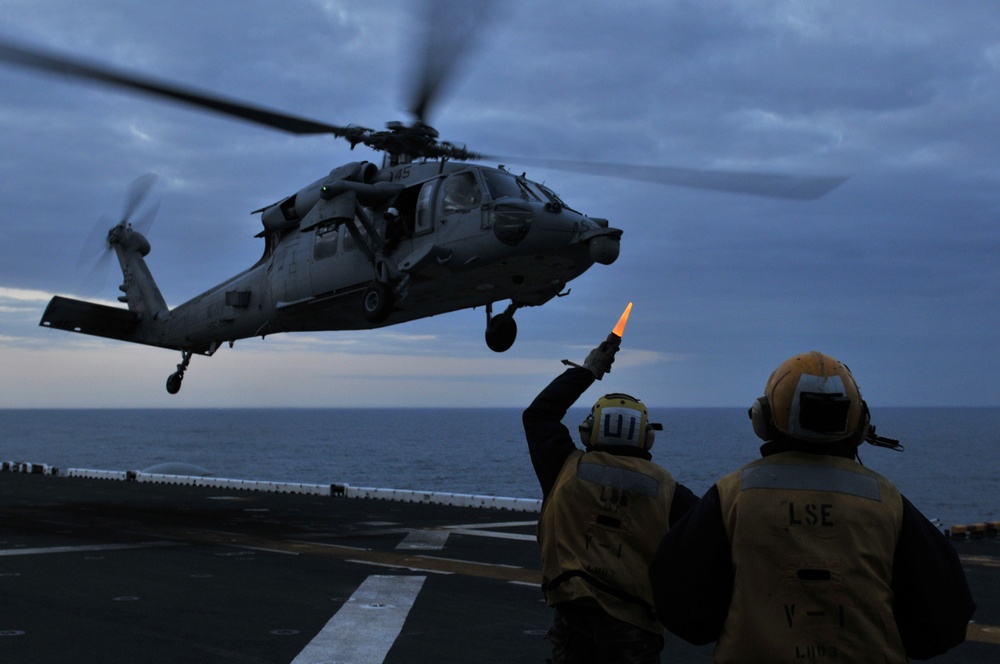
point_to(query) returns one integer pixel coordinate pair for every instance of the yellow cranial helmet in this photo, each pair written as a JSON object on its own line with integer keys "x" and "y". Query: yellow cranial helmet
{"x": 618, "y": 420}
{"x": 811, "y": 397}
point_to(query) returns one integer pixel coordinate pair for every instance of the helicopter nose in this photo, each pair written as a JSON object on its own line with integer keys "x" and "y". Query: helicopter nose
{"x": 604, "y": 249}
{"x": 511, "y": 221}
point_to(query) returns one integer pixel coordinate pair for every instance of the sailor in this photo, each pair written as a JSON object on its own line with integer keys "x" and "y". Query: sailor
{"x": 605, "y": 510}
{"x": 804, "y": 554}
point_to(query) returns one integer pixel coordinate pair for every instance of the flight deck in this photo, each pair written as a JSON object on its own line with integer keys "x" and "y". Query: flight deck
{"x": 100, "y": 566}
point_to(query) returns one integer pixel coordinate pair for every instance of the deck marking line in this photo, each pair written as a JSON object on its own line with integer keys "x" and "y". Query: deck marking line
{"x": 983, "y": 633}
{"x": 364, "y": 629}
{"x": 424, "y": 540}
{"x": 263, "y": 549}
{"x": 460, "y": 561}
{"x": 494, "y": 534}
{"x": 85, "y": 547}
{"x": 410, "y": 568}
{"x": 429, "y": 563}
{"x": 495, "y": 524}
{"x": 985, "y": 561}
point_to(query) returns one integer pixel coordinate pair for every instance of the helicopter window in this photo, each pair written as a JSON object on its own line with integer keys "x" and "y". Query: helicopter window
{"x": 425, "y": 212}
{"x": 502, "y": 185}
{"x": 326, "y": 242}
{"x": 552, "y": 196}
{"x": 530, "y": 194}
{"x": 461, "y": 193}
{"x": 350, "y": 244}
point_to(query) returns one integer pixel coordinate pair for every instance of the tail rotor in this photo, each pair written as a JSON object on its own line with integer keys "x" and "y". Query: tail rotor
{"x": 102, "y": 236}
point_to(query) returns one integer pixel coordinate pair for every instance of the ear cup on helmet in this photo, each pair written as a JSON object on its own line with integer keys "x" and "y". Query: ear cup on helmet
{"x": 649, "y": 438}
{"x": 858, "y": 436}
{"x": 761, "y": 419}
{"x": 587, "y": 429}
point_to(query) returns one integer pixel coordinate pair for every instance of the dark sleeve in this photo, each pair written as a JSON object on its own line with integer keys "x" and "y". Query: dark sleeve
{"x": 549, "y": 441}
{"x": 932, "y": 603}
{"x": 692, "y": 574}
{"x": 683, "y": 502}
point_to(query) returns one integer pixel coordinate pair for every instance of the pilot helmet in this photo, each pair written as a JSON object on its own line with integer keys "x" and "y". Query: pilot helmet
{"x": 618, "y": 420}
{"x": 812, "y": 398}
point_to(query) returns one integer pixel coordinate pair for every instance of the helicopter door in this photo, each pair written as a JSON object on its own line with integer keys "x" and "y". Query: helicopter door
{"x": 461, "y": 204}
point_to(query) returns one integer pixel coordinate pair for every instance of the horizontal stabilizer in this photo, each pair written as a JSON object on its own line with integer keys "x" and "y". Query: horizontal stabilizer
{"x": 99, "y": 320}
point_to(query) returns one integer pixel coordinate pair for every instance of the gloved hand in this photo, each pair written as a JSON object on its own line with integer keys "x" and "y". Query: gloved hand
{"x": 600, "y": 359}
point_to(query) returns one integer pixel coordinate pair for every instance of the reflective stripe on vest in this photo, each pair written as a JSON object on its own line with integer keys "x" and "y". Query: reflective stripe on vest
{"x": 804, "y": 478}
{"x": 619, "y": 478}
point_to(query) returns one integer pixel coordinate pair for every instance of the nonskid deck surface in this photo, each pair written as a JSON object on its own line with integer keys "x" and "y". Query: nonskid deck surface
{"x": 95, "y": 570}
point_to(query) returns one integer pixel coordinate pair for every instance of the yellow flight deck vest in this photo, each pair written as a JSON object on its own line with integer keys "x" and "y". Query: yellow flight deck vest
{"x": 813, "y": 539}
{"x": 598, "y": 530}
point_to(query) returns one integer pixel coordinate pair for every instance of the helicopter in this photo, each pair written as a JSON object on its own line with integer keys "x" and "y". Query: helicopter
{"x": 426, "y": 231}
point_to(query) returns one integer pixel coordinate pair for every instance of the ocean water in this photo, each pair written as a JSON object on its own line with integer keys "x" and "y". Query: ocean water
{"x": 949, "y": 470}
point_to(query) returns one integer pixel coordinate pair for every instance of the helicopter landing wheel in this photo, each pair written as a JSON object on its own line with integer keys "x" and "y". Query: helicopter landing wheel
{"x": 174, "y": 379}
{"x": 501, "y": 332}
{"x": 377, "y": 302}
{"x": 174, "y": 382}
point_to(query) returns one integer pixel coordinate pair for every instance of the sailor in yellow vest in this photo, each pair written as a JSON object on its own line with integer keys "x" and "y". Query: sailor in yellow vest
{"x": 805, "y": 555}
{"x": 605, "y": 510}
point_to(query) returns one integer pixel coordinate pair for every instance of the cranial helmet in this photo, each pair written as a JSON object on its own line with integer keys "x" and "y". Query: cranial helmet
{"x": 813, "y": 398}
{"x": 618, "y": 420}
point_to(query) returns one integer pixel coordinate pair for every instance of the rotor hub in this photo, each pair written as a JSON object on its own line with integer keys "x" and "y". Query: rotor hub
{"x": 418, "y": 140}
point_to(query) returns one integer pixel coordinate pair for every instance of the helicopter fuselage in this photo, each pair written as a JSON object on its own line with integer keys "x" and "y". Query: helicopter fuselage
{"x": 363, "y": 248}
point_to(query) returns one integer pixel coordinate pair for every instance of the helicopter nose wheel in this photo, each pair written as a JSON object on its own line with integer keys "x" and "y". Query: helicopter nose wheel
{"x": 174, "y": 379}
{"x": 377, "y": 301}
{"x": 501, "y": 330}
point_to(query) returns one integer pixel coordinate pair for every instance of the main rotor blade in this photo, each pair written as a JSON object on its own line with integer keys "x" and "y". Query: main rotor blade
{"x": 448, "y": 30}
{"x": 770, "y": 185}
{"x": 72, "y": 67}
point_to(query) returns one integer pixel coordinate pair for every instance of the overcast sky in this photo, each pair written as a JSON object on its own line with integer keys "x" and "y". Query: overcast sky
{"x": 896, "y": 272}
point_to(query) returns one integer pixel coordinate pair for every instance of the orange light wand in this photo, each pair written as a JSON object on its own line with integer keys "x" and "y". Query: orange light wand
{"x": 616, "y": 334}
{"x": 614, "y": 339}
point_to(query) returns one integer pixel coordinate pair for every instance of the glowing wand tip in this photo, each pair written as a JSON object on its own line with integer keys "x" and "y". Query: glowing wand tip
{"x": 620, "y": 327}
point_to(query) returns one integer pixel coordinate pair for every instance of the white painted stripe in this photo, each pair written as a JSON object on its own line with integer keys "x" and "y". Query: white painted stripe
{"x": 397, "y": 566}
{"x": 478, "y": 563}
{"x": 424, "y": 540}
{"x": 365, "y": 628}
{"x": 263, "y": 549}
{"x": 498, "y": 524}
{"x": 494, "y": 534}
{"x": 86, "y": 547}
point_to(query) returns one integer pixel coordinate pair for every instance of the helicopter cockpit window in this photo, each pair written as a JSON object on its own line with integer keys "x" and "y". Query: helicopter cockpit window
{"x": 461, "y": 193}
{"x": 553, "y": 196}
{"x": 503, "y": 185}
